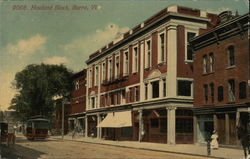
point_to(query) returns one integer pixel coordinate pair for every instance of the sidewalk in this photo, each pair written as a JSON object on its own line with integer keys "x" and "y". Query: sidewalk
{"x": 190, "y": 149}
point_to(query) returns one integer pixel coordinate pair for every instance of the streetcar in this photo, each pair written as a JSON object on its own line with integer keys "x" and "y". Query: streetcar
{"x": 37, "y": 128}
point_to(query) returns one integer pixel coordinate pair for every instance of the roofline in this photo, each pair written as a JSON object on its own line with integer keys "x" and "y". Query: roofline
{"x": 178, "y": 15}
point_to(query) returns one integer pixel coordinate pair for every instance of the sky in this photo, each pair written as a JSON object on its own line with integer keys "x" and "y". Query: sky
{"x": 67, "y": 32}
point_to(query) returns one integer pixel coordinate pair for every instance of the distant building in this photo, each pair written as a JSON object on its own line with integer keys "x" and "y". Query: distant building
{"x": 222, "y": 79}
{"x": 77, "y": 108}
{"x": 140, "y": 86}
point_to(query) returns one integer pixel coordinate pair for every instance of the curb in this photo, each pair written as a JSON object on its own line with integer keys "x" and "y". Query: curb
{"x": 141, "y": 148}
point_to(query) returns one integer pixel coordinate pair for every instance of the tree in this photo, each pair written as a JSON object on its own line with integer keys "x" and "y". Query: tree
{"x": 36, "y": 86}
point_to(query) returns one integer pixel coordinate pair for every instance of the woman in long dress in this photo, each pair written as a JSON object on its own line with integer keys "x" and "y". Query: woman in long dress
{"x": 214, "y": 142}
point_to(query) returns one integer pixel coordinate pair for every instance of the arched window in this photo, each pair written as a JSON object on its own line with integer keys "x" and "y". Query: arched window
{"x": 242, "y": 90}
{"x": 231, "y": 55}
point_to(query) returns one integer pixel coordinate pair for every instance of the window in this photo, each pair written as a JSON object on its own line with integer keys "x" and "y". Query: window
{"x": 154, "y": 123}
{"x": 212, "y": 92}
{"x": 103, "y": 71}
{"x": 123, "y": 95}
{"x": 161, "y": 48}
{"x": 110, "y": 69}
{"x": 90, "y": 78}
{"x": 184, "y": 125}
{"x": 130, "y": 94}
{"x": 126, "y": 64}
{"x": 148, "y": 54}
{"x": 117, "y": 66}
{"x": 220, "y": 93}
{"x": 112, "y": 98}
{"x": 117, "y": 97}
{"x": 96, "y": 76}
{"x": 135, "y": 60}
{"x": 205, "y": 64}
{"x": 93, "y": 102}
{"x": 231, "y": 90}
{"x": 107, "y": 99}
{"x": 126, "y": 131}
{"x": 155, "y": 89}
{"x": 242, "y": 90}
{"x": 137, "y": 97}
{"x": 77, "y": 86}
{"x": 205, "y": 87}
{"x": 189, "y": 55}
{"x": 184, "y": 88}
{"x": 146, "y": 91}
{"x": 164, "y": 88}
{"x": 163, "y": 125}
{"x": 231, "y": 55}
{"x": 211, "y": 59}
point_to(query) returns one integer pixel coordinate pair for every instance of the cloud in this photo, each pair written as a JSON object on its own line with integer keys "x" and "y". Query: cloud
{"x": 56, "y": 60}
{"x": 218, "y": 11}
{"x": 26, "y": 47}
{"x": 6, "y": 93}
{"x": 89, "y": 44}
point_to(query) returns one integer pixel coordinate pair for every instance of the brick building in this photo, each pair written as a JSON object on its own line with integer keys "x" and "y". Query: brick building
{"x": 77, "y": 108}
{"x": 222, "y": 79}
{"x": 140, "y": 86}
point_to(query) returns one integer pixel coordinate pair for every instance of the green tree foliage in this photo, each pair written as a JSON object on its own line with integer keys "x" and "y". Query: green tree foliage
{"x": 36, "y": 86}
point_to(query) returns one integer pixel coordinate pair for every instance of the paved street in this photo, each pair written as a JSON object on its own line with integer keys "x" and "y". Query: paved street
{"x": 56, "y": 149}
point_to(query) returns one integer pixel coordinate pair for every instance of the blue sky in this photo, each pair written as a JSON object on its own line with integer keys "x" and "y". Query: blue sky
{"x": 70, "y": 36}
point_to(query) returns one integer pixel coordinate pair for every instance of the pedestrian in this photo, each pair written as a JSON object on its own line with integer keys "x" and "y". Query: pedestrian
{"x": 214, "y": 142}
{"x": 243, "y": 136}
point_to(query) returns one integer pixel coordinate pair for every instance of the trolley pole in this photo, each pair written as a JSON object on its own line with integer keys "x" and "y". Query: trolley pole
{"x": 62, "y": 119}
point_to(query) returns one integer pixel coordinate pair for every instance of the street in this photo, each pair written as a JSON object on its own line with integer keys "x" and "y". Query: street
{"x": 57, "y": 149}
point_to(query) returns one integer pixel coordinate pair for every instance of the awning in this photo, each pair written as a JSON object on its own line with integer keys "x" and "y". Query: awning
{"x": 116, "y": 120}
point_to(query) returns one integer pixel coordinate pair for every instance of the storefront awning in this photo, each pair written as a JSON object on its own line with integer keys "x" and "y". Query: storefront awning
{"x": 116, "y": 120}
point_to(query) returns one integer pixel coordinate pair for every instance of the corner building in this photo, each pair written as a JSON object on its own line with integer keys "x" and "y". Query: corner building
{"x": 140, "y": 86}
{"x": 222, "y": 79}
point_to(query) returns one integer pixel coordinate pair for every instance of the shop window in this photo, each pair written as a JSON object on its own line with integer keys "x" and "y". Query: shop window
{"x": 242, "y": 90}
{"x": 212, "y": 92}
{"x": 231, "y": 90}
{"x": 184, "y": 125}
{"x": 205, "y": 87}
{"x": 155, "y": 89}
{"x": 220, "y": 93}
{"x": 184, "y": 88}
{"x": 154, "y": 123}
{"x": 231, "y": 55}
{"x": 126, "y": 132}
{"x": 163, "y": 125}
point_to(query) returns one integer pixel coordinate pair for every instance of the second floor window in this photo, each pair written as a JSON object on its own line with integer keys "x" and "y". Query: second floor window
{"x": 137, "y": 97}
{"x": 242, "y": 90}
{"x": 130, "y": 94}
{"x": 184, "y": 88}
{"x": 146, "y": 91}
{"x": 161, "y": 52}
{"x": 164, "y": 88}
{"x": 231, "y": 90}
{"x": 205, "y": 87}
{"x": 220, "y": 93}
{"x": 212, "y": 92}
{"x": 231, "y": 55}
{"x": 155, "y": 89}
